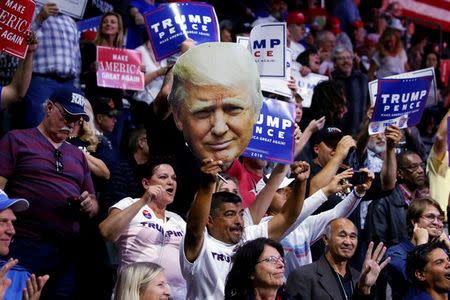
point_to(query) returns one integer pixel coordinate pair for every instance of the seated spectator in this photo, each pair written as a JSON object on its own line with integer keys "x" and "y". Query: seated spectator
{"x": 309, "y": 59}
{"x": 257, "y": 272}
{"x": 142, "y": 281}
{"x": 428, "y": 268}
{"x": 331, "y": 277}
{"x": 325, "y": 43}
{"x": 425, "y": 224}
{"x": 38, "y": 164}
{"x": 295, "y": 23}
{"x": 205, "y": 255}
{"x": 145, "y": 231}
{"x": 18, "y": 87}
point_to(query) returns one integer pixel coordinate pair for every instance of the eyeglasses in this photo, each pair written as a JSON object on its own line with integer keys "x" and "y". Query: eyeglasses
{"x": 413, "y": 168}
{"x": 67, "y": 117}
{"x": 272, "y": 260}
{"x": 58, "y": 163}
{"x": 432, "y": 217}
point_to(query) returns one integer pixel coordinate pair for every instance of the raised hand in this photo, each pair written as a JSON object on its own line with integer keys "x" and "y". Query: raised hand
{"x": 49, "y": 9}
{"x": 393, "y": 136}
{"x": 210, "y": 168}
{"x": 362, "y": 188}
{"x": 300, "y": 170}
{"x": 337, "y": 183}
{"x": 420, "y": 235}
{"x": 372, "y": 267}
{"x": 6, "y": 282}
{"x": 34, "y": 287}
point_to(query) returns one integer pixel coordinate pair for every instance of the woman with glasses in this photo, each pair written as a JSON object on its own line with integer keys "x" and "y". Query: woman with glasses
{"x": 257, "y": 272}
{"x": 144, "y": 231}
{"x": 425, "y": 221}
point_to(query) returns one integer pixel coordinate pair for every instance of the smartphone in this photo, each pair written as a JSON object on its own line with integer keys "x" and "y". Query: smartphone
{"x": 359, "y": 177}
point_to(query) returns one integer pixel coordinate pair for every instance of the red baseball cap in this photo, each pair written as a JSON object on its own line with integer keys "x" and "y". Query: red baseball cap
{"x": 295, "y": 17}
{"x": 358, "y": 24}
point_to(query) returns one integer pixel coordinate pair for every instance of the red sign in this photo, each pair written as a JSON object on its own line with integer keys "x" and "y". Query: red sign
{"x": 15, "y": 20}
{"x": 445, "y": 71}
{"x": 119, "y": 68}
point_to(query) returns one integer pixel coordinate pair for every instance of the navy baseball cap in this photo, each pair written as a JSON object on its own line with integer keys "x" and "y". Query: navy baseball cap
{"x": 15, "y": 204}
{"x": 329, "y": 135}
{"x": 72, "y": 100}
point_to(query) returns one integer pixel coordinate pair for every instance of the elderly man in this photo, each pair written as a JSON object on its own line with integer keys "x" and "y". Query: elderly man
{"x": 215, "y": 101}
{"x": 39, "y": 165}
{"x": 428, "y": 268}
{"x": 13, "y": 279}
{"x": 355, "y": 88}
{"x": 331, "y": 277}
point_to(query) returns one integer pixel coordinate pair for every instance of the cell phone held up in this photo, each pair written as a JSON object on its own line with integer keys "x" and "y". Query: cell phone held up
{"x": 358, "y": 177}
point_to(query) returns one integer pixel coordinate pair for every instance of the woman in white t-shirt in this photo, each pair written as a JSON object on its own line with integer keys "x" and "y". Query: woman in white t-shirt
{"x": 144, "y": 231}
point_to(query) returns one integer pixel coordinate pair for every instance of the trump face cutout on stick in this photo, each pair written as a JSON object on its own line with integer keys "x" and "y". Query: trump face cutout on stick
{"x": 216, "y": 98}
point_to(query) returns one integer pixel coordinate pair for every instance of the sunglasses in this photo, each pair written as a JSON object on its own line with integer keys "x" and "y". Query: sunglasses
{"x": 58, "y": 163}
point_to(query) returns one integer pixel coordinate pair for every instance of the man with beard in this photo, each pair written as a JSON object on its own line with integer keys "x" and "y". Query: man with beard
{"x": 425, "y": 221}
{"x": 53, "y": 175}
{"x": 386, "y": 218}
{"x": 355, "y": 88}
{"x": 331, "y": 277}
{"x": 429, "y": 269}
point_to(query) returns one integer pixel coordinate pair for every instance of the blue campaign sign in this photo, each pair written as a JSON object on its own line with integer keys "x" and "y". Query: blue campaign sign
{"x": 88, "y": 24}
{"x": 273, "y": 133}
{"x": 169, "y": 25}
{"x": 401, "y": 97}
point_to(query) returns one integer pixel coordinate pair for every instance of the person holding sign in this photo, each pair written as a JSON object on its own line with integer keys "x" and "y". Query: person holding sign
{"x": 216, "y": 101}
{"x": 56, "y": 62}
{"x": 21, "y": 80}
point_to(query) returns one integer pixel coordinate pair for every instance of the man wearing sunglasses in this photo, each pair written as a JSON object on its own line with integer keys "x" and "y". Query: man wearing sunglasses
{"x": 39, "y": 165}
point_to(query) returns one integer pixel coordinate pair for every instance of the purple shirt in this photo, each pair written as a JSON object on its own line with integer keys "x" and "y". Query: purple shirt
{"x": 27, "y": 160}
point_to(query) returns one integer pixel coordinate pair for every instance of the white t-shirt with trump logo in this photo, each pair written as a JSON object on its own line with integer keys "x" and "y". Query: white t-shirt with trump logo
{"x": 206, "y": 276}
{"x": 150, "y": 239}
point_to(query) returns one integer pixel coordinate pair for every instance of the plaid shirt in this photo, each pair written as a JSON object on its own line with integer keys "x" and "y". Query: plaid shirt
{"x": 59, "y": 50}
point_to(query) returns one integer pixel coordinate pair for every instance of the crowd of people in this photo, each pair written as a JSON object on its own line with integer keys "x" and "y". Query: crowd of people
{"x": 114, "y": 194}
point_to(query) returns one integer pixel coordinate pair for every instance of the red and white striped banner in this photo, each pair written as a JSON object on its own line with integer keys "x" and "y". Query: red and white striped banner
{"x": 431, "y": 12}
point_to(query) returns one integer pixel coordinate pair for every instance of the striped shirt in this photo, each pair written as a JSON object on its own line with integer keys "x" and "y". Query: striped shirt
{"x": 27, "y": 160}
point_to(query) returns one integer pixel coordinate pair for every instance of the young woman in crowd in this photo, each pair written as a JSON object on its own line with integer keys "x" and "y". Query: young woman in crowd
{"x": 257, "y": 272}
{"x": 144, "y": 230}
{"x": 142, "y": 281}
{"x": 390, "y": 57}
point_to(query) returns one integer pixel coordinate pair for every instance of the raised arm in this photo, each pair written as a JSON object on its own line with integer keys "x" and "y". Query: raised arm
{"x": 440, "y": 145}
{"x": 293, "y": 206}
{"x": 330, "y": 169}
{"x": 262, "y": 201}
{"x": 199, "y": 213}
{"x": 116, "y": 222}
{"x": 389, "y": 169}
{"x": 22, "y": 77}
{"x": 312, "y": 127}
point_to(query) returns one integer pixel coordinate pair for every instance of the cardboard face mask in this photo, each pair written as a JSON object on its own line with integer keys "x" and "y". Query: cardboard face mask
{"x": 216, "y": 99}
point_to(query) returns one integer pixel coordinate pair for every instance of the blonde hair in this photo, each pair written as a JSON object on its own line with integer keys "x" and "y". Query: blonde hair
{"x": 100, "y": 38}
{"x": 87, "y": 130}
{"x": 134, "y": 278}
{"x": 381, "y": 46}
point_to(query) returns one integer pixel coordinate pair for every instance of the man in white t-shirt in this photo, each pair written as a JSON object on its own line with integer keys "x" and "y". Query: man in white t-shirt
{"x": 207, "y": 252}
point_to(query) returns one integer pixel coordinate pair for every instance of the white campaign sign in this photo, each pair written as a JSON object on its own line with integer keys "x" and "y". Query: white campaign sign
{"x": 73, "y": 8}
{"x": 305, "y": 85}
